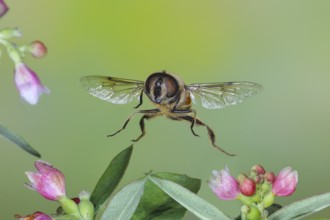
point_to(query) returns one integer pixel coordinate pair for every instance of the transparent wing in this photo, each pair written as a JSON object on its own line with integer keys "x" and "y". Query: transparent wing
{"x": 220, "y": 95}
{"x": 111, "y": 89}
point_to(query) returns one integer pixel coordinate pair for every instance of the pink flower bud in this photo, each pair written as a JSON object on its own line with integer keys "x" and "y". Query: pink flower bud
{"x": 247, "y": 186}
{"x": 38, "y": 49}
{"x": 35, "y": 216}
{"x": 3, "y": 8}
{"x": 258, "y": 179}
{"x": 270, "y": 177}
{"x": 259, "y": 169}
{"x": 285, "y": 182}
{"x": 76, "y": 200}
{"x": 28, "y": 84}
{"x": 224, "y": 185}
{"x": 48, "y": 181}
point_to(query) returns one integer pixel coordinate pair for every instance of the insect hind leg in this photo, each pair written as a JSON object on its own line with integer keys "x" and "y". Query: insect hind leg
{"x": 186, "y": 116}
{"x": 209, "y": 131}
{"x": 142, "y": 126}
{"x": 193, "y": 124}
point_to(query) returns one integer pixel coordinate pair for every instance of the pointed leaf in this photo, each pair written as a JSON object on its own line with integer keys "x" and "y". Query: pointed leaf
{"x": 124, "y": 203}
{"x": 302, "y": 208}
{"x": 156, "y": 204}
{"x": 18, "y": 140}
{"x": 111, "y": 177}
{"x": 189, "y": 200}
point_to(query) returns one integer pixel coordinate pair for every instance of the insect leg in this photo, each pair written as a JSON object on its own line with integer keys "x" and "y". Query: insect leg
{"x": 212, "y": 138}
{"x": 193, "y": 122}
{"x": 124, "y": 126}
{"x": 142, "y": 126}
{"x": 141, "y": 101}
{"x": 153, "y": 111}
{"x": 209, "y": 131}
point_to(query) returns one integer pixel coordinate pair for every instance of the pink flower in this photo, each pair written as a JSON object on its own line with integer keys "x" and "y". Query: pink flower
{"x": 3, "y": 8}
{"x": 48, "y": 181}
{"x": 285, "y": 182}
{"x": 28, "y": 84}
{"x": 38, "y": 49}
{"x": 224, "y": 185}
{"x": 34, "y": 216}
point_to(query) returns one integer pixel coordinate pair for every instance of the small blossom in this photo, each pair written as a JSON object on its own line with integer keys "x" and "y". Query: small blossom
{"x": 38, "y": 49}
{"x": 76, "y": 200}
{"x": 258, "y": 169}
{"x": 270, "y": 177}
{"x": 48, "y": 181}
{"x": 246, "y": 185}
{"x": 28, "y": 84}
{"x": 285, "y": 182}
{"x": 3, "y": 8}
{"x": 224, "y": 185}
{"x": 258, "y": 179}
{"x": 35, "y": 216}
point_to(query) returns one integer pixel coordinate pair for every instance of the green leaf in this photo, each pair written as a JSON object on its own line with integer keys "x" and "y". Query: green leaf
{"x": 156, "y": 204}
{"x": 302, "y": 208}
{"x": 189, "y": 200}
{"x": 124, "y": 203}
{"x": 111, "y": 177}
{"x": 18, "y": 140}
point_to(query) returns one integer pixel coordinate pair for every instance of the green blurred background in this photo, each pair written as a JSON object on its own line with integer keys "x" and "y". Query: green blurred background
{"x": 284, "y": 45}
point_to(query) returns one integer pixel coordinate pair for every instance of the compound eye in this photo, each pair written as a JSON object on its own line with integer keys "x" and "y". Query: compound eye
{"x": 172, "y": 87}
{"x": 161, "y": 86}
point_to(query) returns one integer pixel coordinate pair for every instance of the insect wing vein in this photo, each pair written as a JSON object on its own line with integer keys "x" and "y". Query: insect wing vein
{"x": 111, "y": 89}
{"x": 220, "y": 95}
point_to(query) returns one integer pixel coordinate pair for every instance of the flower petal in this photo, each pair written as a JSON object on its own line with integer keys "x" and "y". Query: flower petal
{"x": 3, "y": 8}
{"x": 48, "y": 181}
{"x": 28, "y": 84}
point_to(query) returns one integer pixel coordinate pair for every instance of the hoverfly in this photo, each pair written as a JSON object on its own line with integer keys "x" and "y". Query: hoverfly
{"x": 171, "y": 97}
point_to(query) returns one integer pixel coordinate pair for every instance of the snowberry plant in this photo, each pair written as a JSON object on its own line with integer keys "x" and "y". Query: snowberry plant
{"x": 156, "y": 195}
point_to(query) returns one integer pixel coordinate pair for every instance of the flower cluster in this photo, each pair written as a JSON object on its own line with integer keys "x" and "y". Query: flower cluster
{"x": 49, "y": 182}
{"x": 256, "y": 191}
{"x": 26, "y": 80}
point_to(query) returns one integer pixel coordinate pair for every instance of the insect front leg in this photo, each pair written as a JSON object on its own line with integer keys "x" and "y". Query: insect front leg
{"x": 151, "y": 111}
{"x": 141, "y": 101}
{"x": 209, "y": 131}
{"x": 124, "y": 126}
